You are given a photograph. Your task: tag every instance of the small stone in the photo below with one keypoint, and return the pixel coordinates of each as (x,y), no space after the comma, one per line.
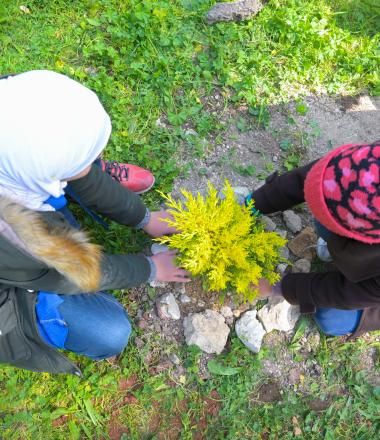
(278,314)
(160,123)
(269,224)
(275,158)
(233,11)
(185,299)
(281,268)
(157,248)
(201,303)
(167,307)
(156,284)
(236,313)
(303,245)
(174,359)
(284,253)
(250,331)
(241,192)
(206,330)
(226,312)
(292,221)
(301,266)
(191,132)
(181,289)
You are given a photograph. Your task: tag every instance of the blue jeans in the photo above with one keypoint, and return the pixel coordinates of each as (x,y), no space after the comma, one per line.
(335,322)
(93,324)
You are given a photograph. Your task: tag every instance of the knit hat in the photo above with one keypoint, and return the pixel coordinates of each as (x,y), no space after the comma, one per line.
(342,191)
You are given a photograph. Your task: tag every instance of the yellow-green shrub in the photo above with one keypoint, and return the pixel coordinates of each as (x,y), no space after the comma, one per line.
(222,242)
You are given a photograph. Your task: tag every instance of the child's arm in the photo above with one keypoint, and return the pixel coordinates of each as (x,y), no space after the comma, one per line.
(281,192)
(330,289)
(99,192)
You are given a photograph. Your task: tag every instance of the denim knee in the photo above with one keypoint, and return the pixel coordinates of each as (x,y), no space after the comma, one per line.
(117,336)
(336,322)
(98,325)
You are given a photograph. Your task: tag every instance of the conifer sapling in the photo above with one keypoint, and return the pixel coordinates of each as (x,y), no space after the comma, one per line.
(222,242)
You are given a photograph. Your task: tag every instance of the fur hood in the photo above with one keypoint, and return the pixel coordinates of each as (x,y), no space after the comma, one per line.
(62,247)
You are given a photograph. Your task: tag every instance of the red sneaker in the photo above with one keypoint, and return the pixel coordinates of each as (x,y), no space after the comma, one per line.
(134,178)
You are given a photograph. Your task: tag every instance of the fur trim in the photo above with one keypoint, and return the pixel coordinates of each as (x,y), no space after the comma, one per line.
(63,248)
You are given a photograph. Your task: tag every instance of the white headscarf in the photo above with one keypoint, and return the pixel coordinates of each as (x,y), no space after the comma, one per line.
(51,129)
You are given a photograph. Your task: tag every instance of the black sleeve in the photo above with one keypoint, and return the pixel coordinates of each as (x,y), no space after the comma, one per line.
(281,192)
(330,289)
(118,272)
(99,192)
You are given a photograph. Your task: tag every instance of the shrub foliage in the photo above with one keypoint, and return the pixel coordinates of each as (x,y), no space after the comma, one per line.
(221,241)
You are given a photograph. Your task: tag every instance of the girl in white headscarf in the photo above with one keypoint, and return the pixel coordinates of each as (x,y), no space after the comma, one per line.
(52,130)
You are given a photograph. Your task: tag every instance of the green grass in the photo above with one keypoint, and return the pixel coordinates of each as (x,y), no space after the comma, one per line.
(158,59)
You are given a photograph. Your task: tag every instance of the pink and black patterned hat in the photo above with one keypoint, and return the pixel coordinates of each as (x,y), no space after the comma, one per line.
(343,191)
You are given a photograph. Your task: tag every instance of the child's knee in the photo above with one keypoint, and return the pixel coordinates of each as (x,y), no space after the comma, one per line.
(334,322)
(118,335)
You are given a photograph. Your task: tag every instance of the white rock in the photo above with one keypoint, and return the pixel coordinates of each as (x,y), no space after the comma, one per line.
(278,314)
(269,224)
(207,330)
(157,248)
(292,221)
(226,312)
(301,266)
(250,331)
(185,299)
(156,283)
(190,132)
(167,307)
(236,313)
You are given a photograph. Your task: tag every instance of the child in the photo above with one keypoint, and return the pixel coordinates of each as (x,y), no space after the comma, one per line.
(343,193)
(52,130)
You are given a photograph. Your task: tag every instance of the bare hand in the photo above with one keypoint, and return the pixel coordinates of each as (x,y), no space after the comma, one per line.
(167,269)
(266,290)
(156,227)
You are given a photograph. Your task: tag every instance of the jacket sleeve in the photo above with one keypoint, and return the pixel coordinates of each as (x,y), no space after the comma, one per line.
(281,192)
(118,272)
(99,192)
(330,289)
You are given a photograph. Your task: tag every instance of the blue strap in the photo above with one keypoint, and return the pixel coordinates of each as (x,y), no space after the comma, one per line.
(70,192)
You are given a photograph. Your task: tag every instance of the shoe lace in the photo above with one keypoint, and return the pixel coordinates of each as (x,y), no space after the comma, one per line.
(116,170)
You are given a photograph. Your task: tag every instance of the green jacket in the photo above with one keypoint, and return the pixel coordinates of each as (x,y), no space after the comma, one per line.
(48,254)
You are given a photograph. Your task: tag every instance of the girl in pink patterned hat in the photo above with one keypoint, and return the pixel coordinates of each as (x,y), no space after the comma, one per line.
(343,193)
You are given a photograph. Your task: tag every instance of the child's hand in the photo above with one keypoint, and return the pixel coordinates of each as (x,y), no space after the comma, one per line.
(156,227)
(266,290)
(167,269)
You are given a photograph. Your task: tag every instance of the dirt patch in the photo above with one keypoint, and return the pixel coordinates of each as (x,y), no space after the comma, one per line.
(247,152)
(116,429)
(129,383)
(319,404)
(267,393)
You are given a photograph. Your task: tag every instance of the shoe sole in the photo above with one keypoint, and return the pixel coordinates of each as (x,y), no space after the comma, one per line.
(146,189)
